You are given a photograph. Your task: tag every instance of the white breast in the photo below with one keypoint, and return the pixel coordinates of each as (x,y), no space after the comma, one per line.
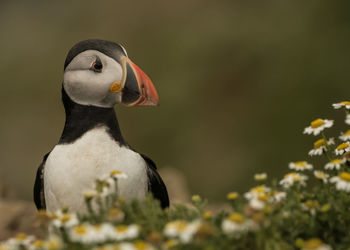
(72,169)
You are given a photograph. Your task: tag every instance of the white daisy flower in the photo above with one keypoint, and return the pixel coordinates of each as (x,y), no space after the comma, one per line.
(345,136)
(255,192)
(320,146)
(342,148)
(90,194)
(5,246)
(317,126)
(91,234)
(235,223)
(335,164)
(65,220)
(300,165)
(20,241)
(182,229)
(291,178)
(347,119)
(138,245)
(278,196)
(259,196)
(105,186)
(311,206)
(36,245)
(116,174)
(125,232)
(258,203)
(173,228)
(99,233)
(115,215)
(339,105)
(81,233)
(342,181)
(260,177)
(53,243)
(187,235)
(315,244)
(321,176)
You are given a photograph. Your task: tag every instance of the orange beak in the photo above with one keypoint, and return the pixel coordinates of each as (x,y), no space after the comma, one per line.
(138,89)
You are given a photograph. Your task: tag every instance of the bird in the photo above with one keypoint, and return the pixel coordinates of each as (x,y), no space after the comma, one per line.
(98,74)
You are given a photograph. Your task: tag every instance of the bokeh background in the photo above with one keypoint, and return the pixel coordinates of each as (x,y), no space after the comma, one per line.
(238,82)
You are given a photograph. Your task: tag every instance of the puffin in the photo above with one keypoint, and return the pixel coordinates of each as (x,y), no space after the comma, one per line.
(98,74)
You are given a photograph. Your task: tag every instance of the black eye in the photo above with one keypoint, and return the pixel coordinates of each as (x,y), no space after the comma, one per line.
(97,65)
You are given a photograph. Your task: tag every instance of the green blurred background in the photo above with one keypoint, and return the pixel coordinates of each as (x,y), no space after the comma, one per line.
(238,82)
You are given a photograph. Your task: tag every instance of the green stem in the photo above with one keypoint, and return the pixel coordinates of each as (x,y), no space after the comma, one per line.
(89,207)
(328,149)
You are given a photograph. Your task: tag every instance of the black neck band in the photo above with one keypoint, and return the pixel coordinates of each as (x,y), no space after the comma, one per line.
(82,118)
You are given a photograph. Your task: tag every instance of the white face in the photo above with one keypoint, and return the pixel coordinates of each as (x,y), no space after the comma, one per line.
(87,86)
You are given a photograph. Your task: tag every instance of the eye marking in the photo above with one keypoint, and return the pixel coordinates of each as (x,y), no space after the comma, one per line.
(97,65)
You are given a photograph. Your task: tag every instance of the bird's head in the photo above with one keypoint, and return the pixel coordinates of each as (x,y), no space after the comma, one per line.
(100,73)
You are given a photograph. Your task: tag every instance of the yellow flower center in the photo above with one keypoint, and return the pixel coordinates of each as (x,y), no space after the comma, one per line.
(53,244)
(320,175)
(196,198)
(80,230)
(343,146)
(121,228)
(21,236)
(292,174)
(345,176)
(258,189)
(207,215)
(317,123)
(295,176)
(89,194)
(140,245)
(309,204)
(65,218)
(347,132)
(236,217)
(345,103)
(115,172)
(170,243)
(260,177)
(319,143)
(38,243)
(98,227)
(313,243)
(262,197)
(181,226)
(302,164)
(336,161)
(232,196)
(325,207)
(267,209)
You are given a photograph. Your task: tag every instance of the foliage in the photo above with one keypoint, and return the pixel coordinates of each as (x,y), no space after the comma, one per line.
(307,209)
